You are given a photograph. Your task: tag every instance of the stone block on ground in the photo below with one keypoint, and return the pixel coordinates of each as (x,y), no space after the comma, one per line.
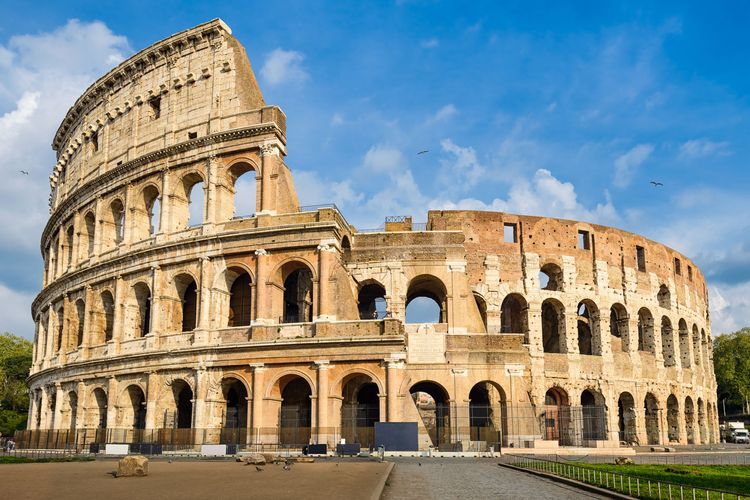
(304,460)
(254,459)
(132,466)
(623,461)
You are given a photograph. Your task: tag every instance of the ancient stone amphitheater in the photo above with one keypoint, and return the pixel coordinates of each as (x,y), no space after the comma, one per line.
(189,299)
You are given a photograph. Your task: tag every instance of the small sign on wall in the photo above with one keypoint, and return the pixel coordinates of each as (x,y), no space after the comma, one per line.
(426,345)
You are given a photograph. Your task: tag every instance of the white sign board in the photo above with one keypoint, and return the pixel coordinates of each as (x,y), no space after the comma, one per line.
(116,449)
(426,345)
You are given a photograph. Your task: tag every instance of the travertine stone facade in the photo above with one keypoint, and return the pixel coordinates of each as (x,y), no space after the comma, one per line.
(164,305)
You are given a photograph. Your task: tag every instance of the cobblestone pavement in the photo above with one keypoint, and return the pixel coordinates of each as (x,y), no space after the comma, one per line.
(468,478)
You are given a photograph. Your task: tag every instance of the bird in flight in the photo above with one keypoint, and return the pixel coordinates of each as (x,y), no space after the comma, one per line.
(657,184)
(24,172)
(423,151)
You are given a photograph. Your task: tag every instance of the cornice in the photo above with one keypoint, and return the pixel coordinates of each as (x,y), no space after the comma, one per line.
(112,175)
(137,65)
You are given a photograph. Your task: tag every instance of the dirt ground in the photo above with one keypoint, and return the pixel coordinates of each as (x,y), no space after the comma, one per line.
(192,479)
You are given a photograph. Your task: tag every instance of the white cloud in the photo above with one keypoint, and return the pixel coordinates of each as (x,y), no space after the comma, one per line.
(626,164)
(430,43)
(730,307)
(312,190)
(463,170)
(444,113)
(16,312)
(337,120)
(700,148)
(284,66)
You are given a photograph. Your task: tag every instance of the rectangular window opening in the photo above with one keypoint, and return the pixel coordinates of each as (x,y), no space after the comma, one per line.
(95,141)
(510,233)
(690,273)
(192,135)
(677,267)
(640,258)
(584,240)
(155,103)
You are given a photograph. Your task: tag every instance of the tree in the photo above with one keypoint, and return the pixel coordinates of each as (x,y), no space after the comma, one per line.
(732,368)
(15,362)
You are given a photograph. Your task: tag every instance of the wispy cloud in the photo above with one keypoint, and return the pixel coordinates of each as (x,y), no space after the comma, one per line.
(627,163)
(444,113)
(283,67)
(701,148)
(430,43)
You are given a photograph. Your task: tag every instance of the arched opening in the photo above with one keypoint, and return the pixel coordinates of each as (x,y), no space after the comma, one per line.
(645,331)
(346,247)
(90,228)
(690,420)
(80,321)
(371,301)
(426,300)
(134,416)
(651,409)
(433,406)
(183,401)
(514,315)
(594,414)
(487,419)
(664,297)
(189,300)
(704,347)
(296,412)
(118,221)
(194,189)
(152,205)
(702,421)
(673,419)
(626,418)
(618,327)
(60,327)
(553,326)
(667,342)
(73,409)
(697,346)
(360,409)
(100,408)
(482,308)
(589,340)
(240,303)
(141,310)
(245,188)
(108,311)
(551,278)
(685,359)
(69,246)
(557,421)
(298,294)
(235,411)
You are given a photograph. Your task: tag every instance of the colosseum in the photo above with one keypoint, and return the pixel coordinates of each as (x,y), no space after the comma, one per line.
(189,299)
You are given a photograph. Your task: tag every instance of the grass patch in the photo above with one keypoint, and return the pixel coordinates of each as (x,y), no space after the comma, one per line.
(26,460)
(734,478)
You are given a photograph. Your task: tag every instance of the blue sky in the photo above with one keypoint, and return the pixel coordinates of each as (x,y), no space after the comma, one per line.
(525,107)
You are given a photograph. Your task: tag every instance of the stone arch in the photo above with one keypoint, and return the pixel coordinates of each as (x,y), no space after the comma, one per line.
(667,342)
(239,284)
(371,301)
(673,419)
(71,409)
(189,202)
(702,421)
(646,331)
(553,326)
(664,297)
(360,397)
(514,315)
(432,402)
(114,224)
(594,414)
(177,404)
(147,212)
(139,310)
(426,288)
(79,324)
(295,412)
(69,234)
(89,230)
(684,335)
(690,420)
(626,418)
(105,317)
(487,417)
(245,185)
(297,279)
(60,330)
(705,347)
(234,392)
(346,247)
(551,277)
(184,314)
(618,326)
(697,346)
(556,416)
(482,308)
(96,412)
(133,407)
(651,411)
(589,328)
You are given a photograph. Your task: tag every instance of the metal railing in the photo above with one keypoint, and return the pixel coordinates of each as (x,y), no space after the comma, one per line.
(627,484)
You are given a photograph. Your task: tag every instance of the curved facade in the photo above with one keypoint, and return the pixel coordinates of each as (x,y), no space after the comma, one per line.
(186,289)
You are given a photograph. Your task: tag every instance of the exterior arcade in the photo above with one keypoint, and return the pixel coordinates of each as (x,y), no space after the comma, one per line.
(188,298)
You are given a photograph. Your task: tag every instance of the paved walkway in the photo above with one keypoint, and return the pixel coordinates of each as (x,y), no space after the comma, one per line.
(461,478)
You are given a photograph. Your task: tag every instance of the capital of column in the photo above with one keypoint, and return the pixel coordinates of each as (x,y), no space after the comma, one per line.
(261,251)
(326,247)
(322,364)
(514,370)
(257,367)
(269,149)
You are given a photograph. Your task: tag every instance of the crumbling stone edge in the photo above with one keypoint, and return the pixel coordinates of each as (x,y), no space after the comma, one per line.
(378,492)
(570,482)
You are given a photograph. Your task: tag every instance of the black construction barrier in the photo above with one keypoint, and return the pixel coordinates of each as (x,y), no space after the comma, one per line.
(348,449)
(397,436)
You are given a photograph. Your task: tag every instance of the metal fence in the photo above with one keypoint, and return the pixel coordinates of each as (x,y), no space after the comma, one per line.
(630,485)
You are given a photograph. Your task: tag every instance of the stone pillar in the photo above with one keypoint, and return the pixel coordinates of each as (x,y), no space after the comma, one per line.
(257,403)
(65,333)
(205,294)
(44,409)
(211,198)
(112,402)
(59,400)
(393,373)
(51,331)
(269,154)
(324,432)
(165,209)
(199,398)
(81,408)
(98,227)
(88,318)
(75,253)
(155,325)
(262,299)
(151,399)
(118,320)
(326,252)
